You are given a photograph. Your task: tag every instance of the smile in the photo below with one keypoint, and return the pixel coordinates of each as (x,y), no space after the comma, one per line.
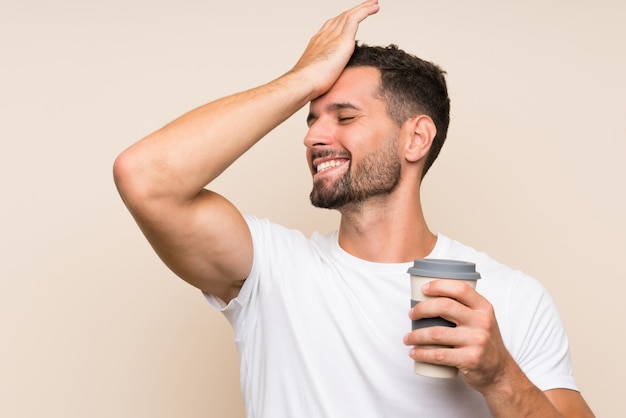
(329,164)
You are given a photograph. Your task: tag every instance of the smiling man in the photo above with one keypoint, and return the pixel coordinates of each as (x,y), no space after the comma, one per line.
(338,179)
(320,322)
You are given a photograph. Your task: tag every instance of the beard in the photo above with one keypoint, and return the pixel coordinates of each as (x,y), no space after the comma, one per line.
(377,174)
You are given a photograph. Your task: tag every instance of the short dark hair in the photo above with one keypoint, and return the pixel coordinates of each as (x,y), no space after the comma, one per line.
(410,86)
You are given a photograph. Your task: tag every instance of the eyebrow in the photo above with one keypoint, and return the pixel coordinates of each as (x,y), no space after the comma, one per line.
(332,107)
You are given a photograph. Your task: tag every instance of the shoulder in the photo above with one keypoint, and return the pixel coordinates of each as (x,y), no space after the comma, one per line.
(498,281)
(485,264)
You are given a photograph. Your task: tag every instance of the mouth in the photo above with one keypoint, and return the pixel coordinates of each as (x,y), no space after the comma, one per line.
(328,164)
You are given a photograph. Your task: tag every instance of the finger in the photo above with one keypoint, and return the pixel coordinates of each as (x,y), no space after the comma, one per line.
(437,335)
(447,336)
(445,347)
(447,308)
(476,357)
(434,345)
(352,17)
(455,289)
(448,356)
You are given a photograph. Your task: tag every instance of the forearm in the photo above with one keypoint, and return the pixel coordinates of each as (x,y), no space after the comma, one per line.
(520,399)
(523,399)
(512,395)
(178,160)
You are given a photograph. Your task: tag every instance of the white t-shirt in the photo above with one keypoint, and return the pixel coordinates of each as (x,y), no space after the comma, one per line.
(319,332)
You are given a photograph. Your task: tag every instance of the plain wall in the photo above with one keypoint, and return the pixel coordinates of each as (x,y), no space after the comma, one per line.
(93,325)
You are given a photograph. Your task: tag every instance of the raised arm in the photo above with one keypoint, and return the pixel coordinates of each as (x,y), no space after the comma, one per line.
(199,234)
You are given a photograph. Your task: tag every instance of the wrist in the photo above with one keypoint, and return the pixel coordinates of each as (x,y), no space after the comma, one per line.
(303,84)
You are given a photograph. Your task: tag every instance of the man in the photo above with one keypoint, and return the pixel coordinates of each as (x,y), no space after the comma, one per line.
(320,323)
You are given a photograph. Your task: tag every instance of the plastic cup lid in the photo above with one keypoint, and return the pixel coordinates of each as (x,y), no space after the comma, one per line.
(444,269)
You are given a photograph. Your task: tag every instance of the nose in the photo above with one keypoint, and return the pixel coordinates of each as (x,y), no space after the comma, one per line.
(318,135)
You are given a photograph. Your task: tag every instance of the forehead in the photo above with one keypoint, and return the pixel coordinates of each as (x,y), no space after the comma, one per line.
(355,85)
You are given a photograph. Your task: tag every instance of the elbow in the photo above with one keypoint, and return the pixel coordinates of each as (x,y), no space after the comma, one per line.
(122,172)
(127,175)
(141,182)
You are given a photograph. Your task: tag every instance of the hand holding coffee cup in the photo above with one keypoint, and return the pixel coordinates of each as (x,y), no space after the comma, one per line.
(422,272)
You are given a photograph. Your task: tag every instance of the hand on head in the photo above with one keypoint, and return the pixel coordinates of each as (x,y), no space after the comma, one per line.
(330,48)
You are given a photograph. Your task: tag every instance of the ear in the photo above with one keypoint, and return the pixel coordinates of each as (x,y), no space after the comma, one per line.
(422,131)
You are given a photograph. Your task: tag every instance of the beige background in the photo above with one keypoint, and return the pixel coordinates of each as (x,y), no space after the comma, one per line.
(92,324)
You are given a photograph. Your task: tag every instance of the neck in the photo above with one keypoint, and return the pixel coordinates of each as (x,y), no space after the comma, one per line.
(386,229)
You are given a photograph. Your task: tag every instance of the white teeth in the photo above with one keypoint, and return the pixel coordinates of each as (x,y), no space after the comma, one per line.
(328,164)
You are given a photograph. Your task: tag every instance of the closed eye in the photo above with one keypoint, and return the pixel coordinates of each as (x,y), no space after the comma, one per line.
(346,119)
(336,108)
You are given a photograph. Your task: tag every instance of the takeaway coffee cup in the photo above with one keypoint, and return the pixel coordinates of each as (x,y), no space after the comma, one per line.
(423,271)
